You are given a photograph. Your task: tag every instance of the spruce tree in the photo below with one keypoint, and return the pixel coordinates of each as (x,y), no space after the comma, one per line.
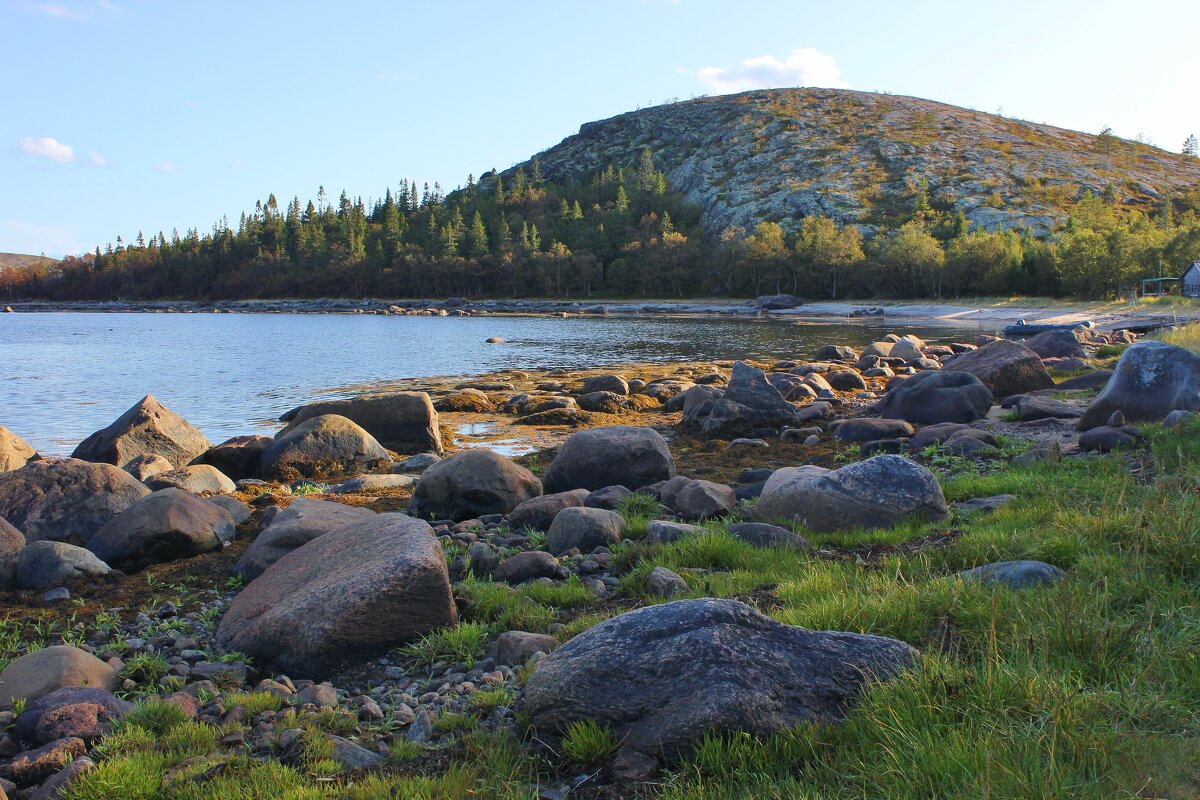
(1191,147)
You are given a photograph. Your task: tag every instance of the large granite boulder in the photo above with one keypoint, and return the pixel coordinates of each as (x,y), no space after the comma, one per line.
(750,403)
(168,525)
(933,397)
(876,493)
(1056,344)
(472,483)
(664,676)
(44,565)
(584,529)
(1005,367)
(343,598)
(907,348)
(405,421)
(12,542)
(15,452)
(65,499)
(237,458)
(201,479)
(321,447)
(618,455)
(537,513)
(698,499)
(295,526)
(148,427)
(1151,380)
(41,672)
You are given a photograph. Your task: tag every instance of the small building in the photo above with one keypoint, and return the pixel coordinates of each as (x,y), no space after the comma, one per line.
(1189,283)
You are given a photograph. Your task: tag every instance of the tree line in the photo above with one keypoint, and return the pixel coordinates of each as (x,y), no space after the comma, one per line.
(618,233)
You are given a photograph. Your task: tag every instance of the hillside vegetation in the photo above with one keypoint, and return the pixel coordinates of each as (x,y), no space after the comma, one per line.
(821,193)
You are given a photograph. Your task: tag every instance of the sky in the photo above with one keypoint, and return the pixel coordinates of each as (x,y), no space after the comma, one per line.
(125,115)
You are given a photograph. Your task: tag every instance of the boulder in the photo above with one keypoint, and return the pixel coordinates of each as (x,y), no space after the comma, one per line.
(621,455)
(777,302)
(935,397)
(866,429)
(147,465)
(615,384)
(416,464)
(239,457)
(603,402)
(473,483)
(907,348)
(749,403)
(935,434)
(1004,367)
(845,381)
(465,400)
(44,565)
(168,525)
(704,499)
(1015,574)
(663,677)
(876,493)
(12,542)
(526,566)
(72,711)
(537,513)
(236,508)
(1151,380)
(661,531)
(201,479)
(321,447)
(41,672)
(1107,438)
(34,766)
(662,582)
(1056,344)
(760,534)
(365,484)
(1092,380)
(298,524)
(344,597)
(1031,406)
(835,352)
(65,499)
(15,452)
(584,529)
(514,648)
(148,427)
(406,421)
(882,349)
(609,497)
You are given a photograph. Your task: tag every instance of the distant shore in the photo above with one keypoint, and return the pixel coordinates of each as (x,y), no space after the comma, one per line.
(1105,316)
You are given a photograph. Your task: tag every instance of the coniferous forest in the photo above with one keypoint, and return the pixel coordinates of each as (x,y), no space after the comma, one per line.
(621,233)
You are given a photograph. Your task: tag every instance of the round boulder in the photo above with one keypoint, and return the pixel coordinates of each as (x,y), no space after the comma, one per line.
(41,672)
(704,499)
(12,542)
(321,447)
(73,711)
(65,499)
(584,529)
(1151,380)
(168,525)
(148,427)
(537,513)
(876,493)
(343,598)
(43,565)
(1005,368)
(471,484)
(15,452)
(618,455)
(664,676)
(934,397)
(198,479)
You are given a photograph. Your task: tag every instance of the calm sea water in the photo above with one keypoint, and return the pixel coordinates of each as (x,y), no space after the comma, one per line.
(65,375)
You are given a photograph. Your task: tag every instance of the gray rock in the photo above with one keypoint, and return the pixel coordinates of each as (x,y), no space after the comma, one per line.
(322,447)
(993,503)
(538,513)
(866,429)
(416,464)
(1177,418)
(405,421)
(1005,367)
(609,497)
(514,648)
(12,542)
(147,465)
(585,529)
(374,483)
(835,352)
(749,403)
(298,524)
(661,531)
(318,609)
(43,565)
(43,671)
(239,511)
(664,676)
(704,499)
(1033,407)
(616,455)
(760,534)
(1056,344)
(1151,380)
(71,711)
(482,559)
(65,499)
(237,458)
(471,484)
(147,428)
(845,380)
(200,479)
(1107,438)
(60,594)
(1015,574)
(526,566)
(937,397)
(614,384)
(876,493)
(662,582)
(168,525)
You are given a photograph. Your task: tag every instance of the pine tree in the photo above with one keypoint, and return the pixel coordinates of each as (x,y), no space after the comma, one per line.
(1191,147)
(503,231)
(477,241)
(576,211)
(536,180)
(622,204)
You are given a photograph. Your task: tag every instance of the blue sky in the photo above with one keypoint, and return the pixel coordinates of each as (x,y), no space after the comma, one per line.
(120,115)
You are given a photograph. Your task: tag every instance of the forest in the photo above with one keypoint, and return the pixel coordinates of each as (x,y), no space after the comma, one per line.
(619,234)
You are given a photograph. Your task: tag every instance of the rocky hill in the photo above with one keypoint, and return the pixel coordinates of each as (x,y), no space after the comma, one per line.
(858,157)
(20,260)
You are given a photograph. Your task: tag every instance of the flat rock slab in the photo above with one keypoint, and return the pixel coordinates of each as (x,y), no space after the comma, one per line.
(1015,574)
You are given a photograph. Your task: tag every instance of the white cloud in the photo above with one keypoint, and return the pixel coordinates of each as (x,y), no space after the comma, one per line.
(46,147)
(113,8)
(167,167)
(804,66)
(62,12)
(97,160)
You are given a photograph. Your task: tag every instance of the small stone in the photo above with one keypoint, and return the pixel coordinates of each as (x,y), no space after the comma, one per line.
(58,595)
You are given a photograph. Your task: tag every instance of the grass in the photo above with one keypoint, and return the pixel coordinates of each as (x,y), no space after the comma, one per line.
(464,642)
(1186,336)
(145,669)
(588,742)
(255,702)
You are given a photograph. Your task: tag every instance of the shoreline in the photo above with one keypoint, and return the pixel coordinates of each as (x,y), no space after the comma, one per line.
(1104,316)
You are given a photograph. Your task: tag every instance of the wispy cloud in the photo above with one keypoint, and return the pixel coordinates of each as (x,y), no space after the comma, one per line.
(97,160)
(62,12)
(113,8)
(804,66)
(166,167)
(47,148)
